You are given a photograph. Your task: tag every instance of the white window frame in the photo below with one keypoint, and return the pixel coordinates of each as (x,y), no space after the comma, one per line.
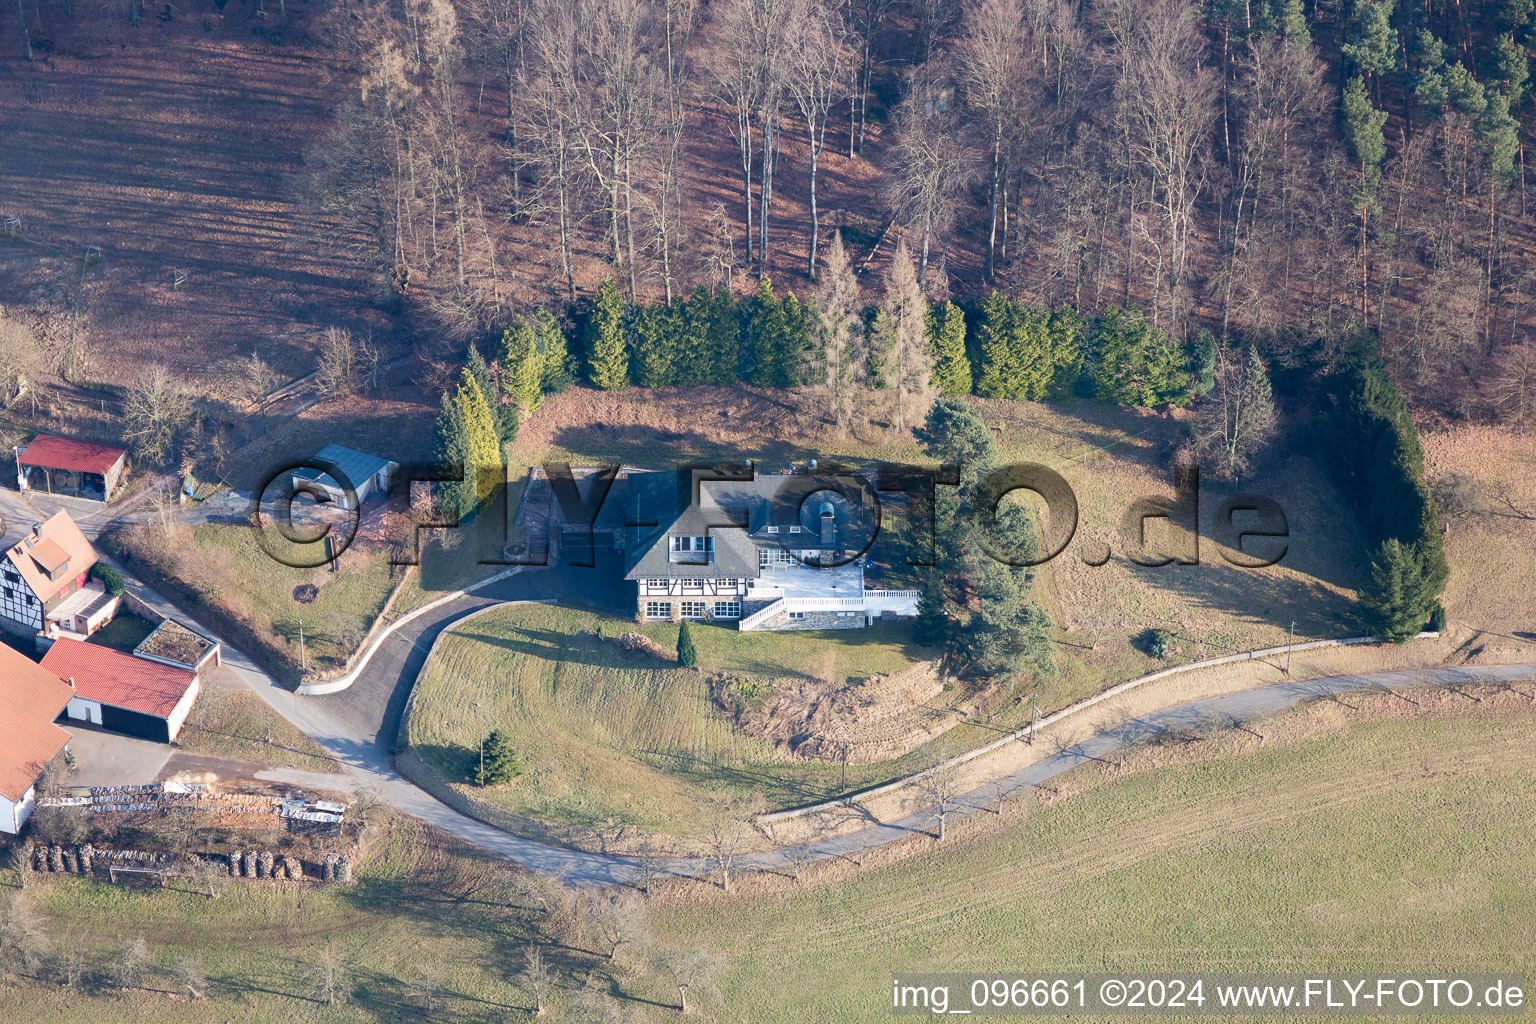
(698,607)
(658,611)
(726,610)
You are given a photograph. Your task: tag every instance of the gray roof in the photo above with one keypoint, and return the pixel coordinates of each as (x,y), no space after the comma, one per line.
(736,514)
(358,467)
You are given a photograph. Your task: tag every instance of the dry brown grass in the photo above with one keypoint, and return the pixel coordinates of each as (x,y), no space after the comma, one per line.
(1493,558)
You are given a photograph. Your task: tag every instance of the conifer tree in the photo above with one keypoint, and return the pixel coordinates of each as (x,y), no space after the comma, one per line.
(521,366)
(910,365)
(655,346)
(484,456)
(879,341)
(723,334)
(1399,597)
(946,341)
(555,364)
(1134,363)
(1000,374)
(768,340)
(838,328)
(1066,334)
(607,347)
(489,377)
(796,339)
(465,435)
(1032,352)
(931,627)
(687,653)
(457,497)
(497,762)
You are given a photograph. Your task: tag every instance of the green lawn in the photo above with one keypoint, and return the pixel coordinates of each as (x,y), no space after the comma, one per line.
(608,736)
(255,942)
(226,568)
(1396,846)
(123,633)
(1388,846)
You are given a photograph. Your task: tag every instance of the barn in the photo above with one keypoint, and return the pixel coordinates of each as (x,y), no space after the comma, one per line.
(123,693)
(32,698)
(64,465)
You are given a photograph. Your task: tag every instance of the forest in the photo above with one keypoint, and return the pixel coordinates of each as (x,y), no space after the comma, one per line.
(1274,172)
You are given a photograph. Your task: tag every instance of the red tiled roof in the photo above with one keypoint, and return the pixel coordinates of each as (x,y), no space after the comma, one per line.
(31,697)
(53,452)
(58,536)
(121,680)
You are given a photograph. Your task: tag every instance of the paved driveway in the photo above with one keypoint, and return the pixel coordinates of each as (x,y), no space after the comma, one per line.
(107,759)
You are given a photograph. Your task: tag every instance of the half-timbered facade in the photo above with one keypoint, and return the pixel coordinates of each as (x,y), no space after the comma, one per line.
(742,552)
(45,585)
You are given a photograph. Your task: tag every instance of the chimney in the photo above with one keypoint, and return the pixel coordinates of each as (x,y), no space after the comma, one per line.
(828,526)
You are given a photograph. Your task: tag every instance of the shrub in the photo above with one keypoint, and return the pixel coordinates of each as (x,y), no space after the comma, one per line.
(1156,642)
(109,577)
(496,761)
(1437,621)
(687,653)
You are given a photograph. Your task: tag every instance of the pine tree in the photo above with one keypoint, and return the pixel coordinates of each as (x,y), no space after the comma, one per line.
(607,348)
(911,367)
(1399,597)
(1293,25)
(687,653)
(723,334)
(656,333)
(521,366)
(484,457)
(838,328)
(879,341)
(768,340)
(931,627)
(1372,47)
(556,370)
(1066,332)
(497,761)
(946,343)
(1000,374)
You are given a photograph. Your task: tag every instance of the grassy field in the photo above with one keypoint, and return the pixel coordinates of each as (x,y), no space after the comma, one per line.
(1390,846)
(224,567)
(612,737)
(1492,549)
(256,943)
(238,724)
(1109,455)
(1399,842)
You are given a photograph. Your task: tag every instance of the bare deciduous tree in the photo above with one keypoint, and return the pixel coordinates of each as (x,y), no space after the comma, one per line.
(816,77)
(156,408)
(690,970)
(911,367)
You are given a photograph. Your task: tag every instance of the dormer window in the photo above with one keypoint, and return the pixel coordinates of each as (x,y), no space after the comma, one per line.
(691,549)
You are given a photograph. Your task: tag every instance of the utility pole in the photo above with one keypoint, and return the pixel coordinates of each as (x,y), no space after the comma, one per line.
(303,661)
(1290,641)
(1034,716)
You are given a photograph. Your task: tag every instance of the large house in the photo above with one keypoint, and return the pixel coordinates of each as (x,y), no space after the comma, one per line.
(44,583)
(767,553)
(32,697)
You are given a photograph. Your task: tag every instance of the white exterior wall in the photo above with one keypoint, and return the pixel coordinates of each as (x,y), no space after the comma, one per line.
(178,714)
(17,602)
(82,710)
(14,815)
